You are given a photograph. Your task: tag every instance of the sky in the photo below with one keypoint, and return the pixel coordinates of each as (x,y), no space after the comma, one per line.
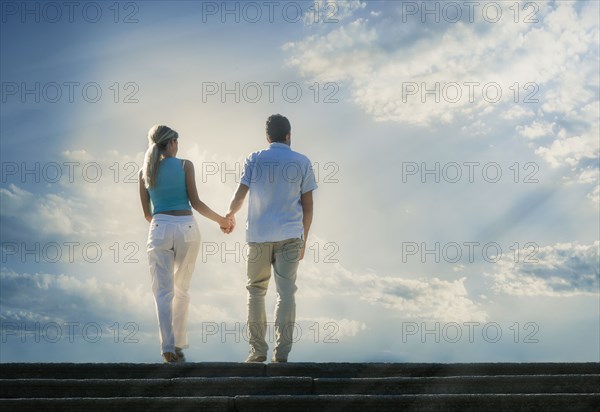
(455,145)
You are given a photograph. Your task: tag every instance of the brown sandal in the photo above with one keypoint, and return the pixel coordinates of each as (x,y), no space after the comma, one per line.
(170,357)
(179,353)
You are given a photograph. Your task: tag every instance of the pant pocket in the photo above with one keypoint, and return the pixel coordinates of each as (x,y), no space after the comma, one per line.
(157,231)
(190,232)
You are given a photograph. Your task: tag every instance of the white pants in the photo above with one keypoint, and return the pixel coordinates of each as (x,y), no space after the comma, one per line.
(173,245)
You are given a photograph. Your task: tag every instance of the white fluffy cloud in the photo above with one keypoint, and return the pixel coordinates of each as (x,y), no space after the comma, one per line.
(564,269)
(547,72)
(426,298)
(571,149)
(40,297)
(48,214)
(383,65)
(535,130)
(331,11)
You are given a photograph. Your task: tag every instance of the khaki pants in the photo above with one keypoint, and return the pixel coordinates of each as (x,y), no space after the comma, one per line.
(284,256)
(173,245)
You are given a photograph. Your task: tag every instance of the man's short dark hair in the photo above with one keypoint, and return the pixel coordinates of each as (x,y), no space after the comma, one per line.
(278,127)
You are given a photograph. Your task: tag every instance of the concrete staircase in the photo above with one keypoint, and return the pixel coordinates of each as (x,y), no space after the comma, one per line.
(301,387)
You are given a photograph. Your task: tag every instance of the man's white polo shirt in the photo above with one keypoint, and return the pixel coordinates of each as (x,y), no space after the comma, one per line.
(277,177)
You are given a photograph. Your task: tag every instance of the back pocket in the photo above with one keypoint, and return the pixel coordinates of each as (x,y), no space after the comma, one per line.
(157,231)
(190,232)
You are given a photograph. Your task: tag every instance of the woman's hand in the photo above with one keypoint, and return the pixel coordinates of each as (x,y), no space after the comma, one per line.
(229,226)
(226,223)
(231,217)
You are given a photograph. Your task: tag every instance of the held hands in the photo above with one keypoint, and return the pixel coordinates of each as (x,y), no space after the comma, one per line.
(227,223)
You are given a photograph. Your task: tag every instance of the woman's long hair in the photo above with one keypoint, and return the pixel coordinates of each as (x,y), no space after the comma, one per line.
(158,137)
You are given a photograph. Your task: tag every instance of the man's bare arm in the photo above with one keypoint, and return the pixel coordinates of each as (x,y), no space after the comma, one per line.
(237,201)
(306,199)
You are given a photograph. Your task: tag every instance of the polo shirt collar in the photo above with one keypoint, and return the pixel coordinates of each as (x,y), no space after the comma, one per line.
(277,145)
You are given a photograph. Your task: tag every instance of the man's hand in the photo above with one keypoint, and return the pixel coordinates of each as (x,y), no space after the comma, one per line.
(235,205)
(231,220)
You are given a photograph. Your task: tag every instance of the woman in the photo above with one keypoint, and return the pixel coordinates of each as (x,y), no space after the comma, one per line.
(173,240)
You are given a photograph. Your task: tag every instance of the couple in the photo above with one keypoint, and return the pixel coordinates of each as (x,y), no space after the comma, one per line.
(280,209)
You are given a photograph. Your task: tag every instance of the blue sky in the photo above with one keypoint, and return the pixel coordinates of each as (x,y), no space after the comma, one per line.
(456,149)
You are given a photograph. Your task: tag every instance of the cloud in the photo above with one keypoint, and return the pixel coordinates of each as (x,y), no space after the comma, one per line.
(572,149)
(422,73)
(516,112)
(61,298)
(535,130)
(334,327)
(589,175)
(594,195)
(432,299)
(78,155)
(45,214)
(560,270)
(331,11)
(45,297)
(380,70)
(362,53)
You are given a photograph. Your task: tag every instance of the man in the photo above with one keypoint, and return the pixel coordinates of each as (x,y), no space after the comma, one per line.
(280,211)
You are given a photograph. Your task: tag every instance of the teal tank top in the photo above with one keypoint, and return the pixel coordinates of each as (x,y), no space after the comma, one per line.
(169,191)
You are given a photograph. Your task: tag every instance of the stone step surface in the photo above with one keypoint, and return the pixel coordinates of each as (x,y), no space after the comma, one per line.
(302,403)
(301,387)
(314,370)
(184,387)
(232,386)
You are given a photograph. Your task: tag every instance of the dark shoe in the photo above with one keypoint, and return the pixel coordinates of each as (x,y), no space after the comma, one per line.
(255,358)
(179,353)
(170,357)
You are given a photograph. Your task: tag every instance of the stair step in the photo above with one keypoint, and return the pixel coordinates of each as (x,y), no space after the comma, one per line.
(501,384)
(314,370)
(133,404)
(227,386)
(420,403)
(177,387)
(301,403)
(232,386)
(382,370)
(129,370)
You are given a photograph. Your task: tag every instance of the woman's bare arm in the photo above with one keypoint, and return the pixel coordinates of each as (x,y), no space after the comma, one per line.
(145,198)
